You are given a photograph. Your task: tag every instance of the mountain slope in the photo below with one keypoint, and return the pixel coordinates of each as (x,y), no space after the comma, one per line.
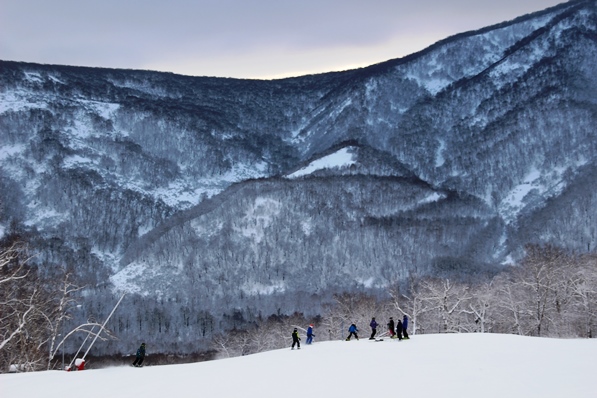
(228,194)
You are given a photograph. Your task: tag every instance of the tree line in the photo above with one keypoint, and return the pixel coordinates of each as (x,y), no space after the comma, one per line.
(550,293)
(35,312)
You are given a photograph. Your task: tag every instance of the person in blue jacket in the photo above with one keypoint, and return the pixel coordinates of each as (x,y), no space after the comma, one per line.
(373,325)
(404,326)
(353,331)
(310,334)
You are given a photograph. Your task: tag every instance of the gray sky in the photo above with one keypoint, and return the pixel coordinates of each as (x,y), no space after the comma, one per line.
(236,38)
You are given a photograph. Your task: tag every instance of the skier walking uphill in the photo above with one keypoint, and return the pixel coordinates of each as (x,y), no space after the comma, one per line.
(140,356)
(373,325)
(404,326)
(399,329)
(310,334)
(296,339)
(352,330)
(391,328)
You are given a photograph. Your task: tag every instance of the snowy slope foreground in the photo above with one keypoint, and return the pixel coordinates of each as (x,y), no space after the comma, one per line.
(461,365)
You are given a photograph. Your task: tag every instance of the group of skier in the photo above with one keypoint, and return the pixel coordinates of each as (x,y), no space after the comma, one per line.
(399,331)
(296,340)
(396,330)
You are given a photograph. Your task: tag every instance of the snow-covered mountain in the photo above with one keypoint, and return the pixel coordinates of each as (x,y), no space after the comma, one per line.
(454,365)
(228,196)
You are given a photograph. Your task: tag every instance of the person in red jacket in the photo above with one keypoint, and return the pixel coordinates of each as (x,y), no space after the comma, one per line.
(391,328)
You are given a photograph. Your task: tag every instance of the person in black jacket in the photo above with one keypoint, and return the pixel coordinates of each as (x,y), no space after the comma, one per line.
(399,329)
(140,356)
(391,328)
(296,339)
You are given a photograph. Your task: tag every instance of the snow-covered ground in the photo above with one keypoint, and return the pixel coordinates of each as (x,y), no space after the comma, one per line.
(454,365)
(341,158)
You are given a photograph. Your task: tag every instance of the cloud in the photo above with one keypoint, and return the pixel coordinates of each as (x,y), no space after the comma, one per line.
(262,38)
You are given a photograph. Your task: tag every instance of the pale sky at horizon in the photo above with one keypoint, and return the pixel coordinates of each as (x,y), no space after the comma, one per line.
(260,39)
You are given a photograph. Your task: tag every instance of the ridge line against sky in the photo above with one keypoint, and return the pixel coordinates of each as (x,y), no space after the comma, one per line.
(263,39)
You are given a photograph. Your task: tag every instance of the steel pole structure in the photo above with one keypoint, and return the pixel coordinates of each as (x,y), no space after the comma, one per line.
(102,328)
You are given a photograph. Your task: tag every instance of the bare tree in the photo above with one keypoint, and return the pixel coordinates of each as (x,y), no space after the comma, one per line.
(538,278)
(22,303)
(480,305)
(56,319)
(448,300)
(411,304)
(33,313)
(584,290)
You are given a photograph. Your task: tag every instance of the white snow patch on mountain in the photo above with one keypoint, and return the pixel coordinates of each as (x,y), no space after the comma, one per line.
(123,280)
(107,258)
(76,161)
(56,80)
(8,151)
(42,217)
(16,101)
(367,283)
(341,158)
(347,102)
(33,77)
(184,194)
(434,197)
(307,227)
(103,109)
(535,185)
(241,172)
(433,365)
(439,154)
(258,218)
(430,71)
(254,289)
(433,84)
(137,274)
(514,201)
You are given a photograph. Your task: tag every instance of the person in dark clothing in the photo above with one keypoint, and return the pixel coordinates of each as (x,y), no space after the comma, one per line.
(373,325)
(399,329)
(296,340)
(352,331)
(310,334)
(140,356)
(404,326)
(391,328)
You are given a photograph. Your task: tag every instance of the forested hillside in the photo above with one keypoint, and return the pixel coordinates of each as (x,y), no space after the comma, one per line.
(217,202)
